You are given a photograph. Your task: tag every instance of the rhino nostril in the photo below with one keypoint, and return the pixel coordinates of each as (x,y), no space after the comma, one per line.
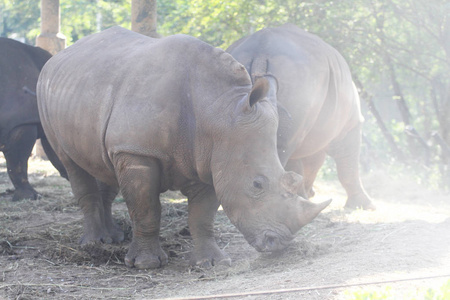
(271,241)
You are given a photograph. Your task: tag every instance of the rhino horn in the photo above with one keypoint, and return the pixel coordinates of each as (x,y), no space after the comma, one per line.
(310,210)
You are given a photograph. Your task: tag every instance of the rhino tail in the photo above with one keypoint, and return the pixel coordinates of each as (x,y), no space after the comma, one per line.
(28,91)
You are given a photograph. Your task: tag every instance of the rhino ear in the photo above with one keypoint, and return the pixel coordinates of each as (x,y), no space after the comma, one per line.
(259,91)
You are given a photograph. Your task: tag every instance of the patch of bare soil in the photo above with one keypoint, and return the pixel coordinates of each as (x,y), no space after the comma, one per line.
(408,236)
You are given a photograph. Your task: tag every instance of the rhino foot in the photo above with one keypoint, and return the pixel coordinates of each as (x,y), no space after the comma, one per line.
(209,263)
(145,259)
(116,233)
(95,230)
(210,257)
(26,193)
(91,237)
(360,201)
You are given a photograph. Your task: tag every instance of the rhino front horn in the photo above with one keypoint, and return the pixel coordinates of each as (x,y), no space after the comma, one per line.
(310,210)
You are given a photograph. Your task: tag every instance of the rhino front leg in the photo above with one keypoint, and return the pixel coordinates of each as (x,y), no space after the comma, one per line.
(308,168)
(311,166)
(346,154)
(18,150)
(139,180)
(202,206)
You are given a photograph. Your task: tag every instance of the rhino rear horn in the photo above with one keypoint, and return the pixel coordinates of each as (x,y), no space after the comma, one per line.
(292,182)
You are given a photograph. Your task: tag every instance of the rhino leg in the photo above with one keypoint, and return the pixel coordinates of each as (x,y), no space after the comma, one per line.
(108,194)
(311,166)
(346,154)
(139,180)
(203,205)
(308,167)
(86,191)
(19,147)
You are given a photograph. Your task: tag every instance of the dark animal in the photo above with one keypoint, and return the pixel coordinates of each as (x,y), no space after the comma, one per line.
(20,65)
(318,104)
(147,115)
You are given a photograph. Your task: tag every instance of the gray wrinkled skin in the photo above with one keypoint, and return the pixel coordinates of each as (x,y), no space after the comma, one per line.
(318,105)
(126,111)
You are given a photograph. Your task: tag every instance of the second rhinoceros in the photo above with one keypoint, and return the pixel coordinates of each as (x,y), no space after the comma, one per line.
(147,115)
(20,126)
(318,104)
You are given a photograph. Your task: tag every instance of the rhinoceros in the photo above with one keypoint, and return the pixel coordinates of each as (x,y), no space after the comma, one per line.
(20,65)
(123,110)
(317,102)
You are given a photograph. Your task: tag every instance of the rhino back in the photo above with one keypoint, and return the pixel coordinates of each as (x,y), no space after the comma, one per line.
(315,85)
(125,92)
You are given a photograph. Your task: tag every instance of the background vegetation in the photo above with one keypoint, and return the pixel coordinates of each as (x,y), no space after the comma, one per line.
(398,50)
(388,293)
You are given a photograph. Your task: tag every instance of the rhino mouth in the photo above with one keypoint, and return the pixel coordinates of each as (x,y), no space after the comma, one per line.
(270,241)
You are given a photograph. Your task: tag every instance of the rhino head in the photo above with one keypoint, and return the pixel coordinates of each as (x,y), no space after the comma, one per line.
(257,194)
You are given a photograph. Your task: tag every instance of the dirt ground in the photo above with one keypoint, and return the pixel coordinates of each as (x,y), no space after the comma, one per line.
(407,237)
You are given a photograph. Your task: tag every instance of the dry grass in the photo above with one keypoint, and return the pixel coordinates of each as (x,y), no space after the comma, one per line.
(40,257)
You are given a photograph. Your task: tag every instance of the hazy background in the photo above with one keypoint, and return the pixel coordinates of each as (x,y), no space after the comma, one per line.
(398,51)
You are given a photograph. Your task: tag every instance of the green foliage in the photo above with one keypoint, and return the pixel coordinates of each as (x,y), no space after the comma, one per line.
(78,18)
(17,18)
(119,200)
(220,23)
(388,293)
(442,294)
(371,294)
(81,18)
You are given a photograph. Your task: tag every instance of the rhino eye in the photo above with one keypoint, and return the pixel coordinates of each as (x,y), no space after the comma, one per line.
(259,182)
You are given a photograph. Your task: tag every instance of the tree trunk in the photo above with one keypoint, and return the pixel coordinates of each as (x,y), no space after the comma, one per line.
(387,135)
(411,134)
(143,17)
(52,40)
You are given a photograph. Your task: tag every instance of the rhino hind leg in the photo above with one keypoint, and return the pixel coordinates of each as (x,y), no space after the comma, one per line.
(202,206)
(345,152)
(108,194)
(18,150)
(86,191)
(139,180)
(51,155)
